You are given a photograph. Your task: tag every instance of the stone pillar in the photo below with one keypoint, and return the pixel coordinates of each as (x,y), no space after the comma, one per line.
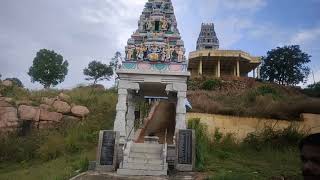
(181,110)
(238,68)
(200,67)
(181,90)
(130,116)
(219,69)
(119,123)
(258,72)
(254,73)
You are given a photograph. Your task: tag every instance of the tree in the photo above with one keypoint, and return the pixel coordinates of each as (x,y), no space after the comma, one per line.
(98,71)
(116,61)
(285,65)
(15,81)
(116,64)
(49,68)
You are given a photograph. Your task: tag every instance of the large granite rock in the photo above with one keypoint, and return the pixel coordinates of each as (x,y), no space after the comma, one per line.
(80,111)
(50,116)
(7,83)
(27,112)
(61,107)
(8,117)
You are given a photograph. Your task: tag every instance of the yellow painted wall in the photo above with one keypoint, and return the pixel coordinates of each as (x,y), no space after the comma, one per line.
(242,126)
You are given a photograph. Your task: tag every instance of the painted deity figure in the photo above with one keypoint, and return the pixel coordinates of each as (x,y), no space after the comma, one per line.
(165,25)
(174,54)
(129,54)
(134,53)
(139,56)
(149,25)
(180,54)
(168,54)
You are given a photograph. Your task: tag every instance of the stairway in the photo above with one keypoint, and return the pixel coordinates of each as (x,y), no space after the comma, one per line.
(143,159)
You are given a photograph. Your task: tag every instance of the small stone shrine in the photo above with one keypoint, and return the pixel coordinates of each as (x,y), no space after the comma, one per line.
(152,90)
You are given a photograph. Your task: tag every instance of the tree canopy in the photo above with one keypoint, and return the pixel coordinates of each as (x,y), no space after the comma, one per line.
(49,68)
(285,65)
(98,71)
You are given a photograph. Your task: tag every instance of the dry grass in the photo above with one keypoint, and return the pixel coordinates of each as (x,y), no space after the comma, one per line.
(253,99)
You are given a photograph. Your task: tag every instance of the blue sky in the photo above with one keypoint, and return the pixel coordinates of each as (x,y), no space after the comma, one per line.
(84,30)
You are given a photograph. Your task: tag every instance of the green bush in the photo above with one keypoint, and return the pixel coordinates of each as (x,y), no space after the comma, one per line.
(52,148)
(211,84)
(202,142)
(217,135)
(279,139)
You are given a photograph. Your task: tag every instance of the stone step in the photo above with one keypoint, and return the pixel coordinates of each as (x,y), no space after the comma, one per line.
(151,150)
(145,155)
(135,172)
(146,145)
(143,160)
(145,166)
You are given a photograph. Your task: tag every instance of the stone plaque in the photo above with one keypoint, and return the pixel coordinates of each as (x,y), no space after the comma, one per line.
(107,150)
(185,159)
(185,147)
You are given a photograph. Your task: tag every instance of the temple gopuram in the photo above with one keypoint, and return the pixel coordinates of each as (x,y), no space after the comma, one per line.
(209,60)
(157,40)
(150,134)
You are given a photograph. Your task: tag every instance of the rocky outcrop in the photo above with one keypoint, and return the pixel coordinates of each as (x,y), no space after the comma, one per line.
(49,114)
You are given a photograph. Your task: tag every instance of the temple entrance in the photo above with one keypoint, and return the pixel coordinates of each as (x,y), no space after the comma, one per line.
(160,122)
(155,113)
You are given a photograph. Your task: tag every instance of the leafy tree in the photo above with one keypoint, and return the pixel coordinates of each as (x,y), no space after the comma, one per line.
(15,81)
(49,68)
(285,65)
(98,71)
(116,61)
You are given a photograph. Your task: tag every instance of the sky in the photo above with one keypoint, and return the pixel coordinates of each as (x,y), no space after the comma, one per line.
(86,30)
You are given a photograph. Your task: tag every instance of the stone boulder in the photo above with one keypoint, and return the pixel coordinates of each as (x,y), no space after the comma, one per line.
(8,117)
(61,107)
(80,111)
(48,101)
(7,83)
(64,97)
(3,103)
(50,116)
(28,113)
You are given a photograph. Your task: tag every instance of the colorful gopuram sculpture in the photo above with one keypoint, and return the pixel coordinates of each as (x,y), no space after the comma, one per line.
(157,39)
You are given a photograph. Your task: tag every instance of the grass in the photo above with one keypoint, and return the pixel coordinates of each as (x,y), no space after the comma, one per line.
(61,168)
(225,159)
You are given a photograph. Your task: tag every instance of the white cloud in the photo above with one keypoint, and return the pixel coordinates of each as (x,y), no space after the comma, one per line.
(306,37)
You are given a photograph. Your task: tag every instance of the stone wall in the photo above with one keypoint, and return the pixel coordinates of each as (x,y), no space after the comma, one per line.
(15,116)
(242,126)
